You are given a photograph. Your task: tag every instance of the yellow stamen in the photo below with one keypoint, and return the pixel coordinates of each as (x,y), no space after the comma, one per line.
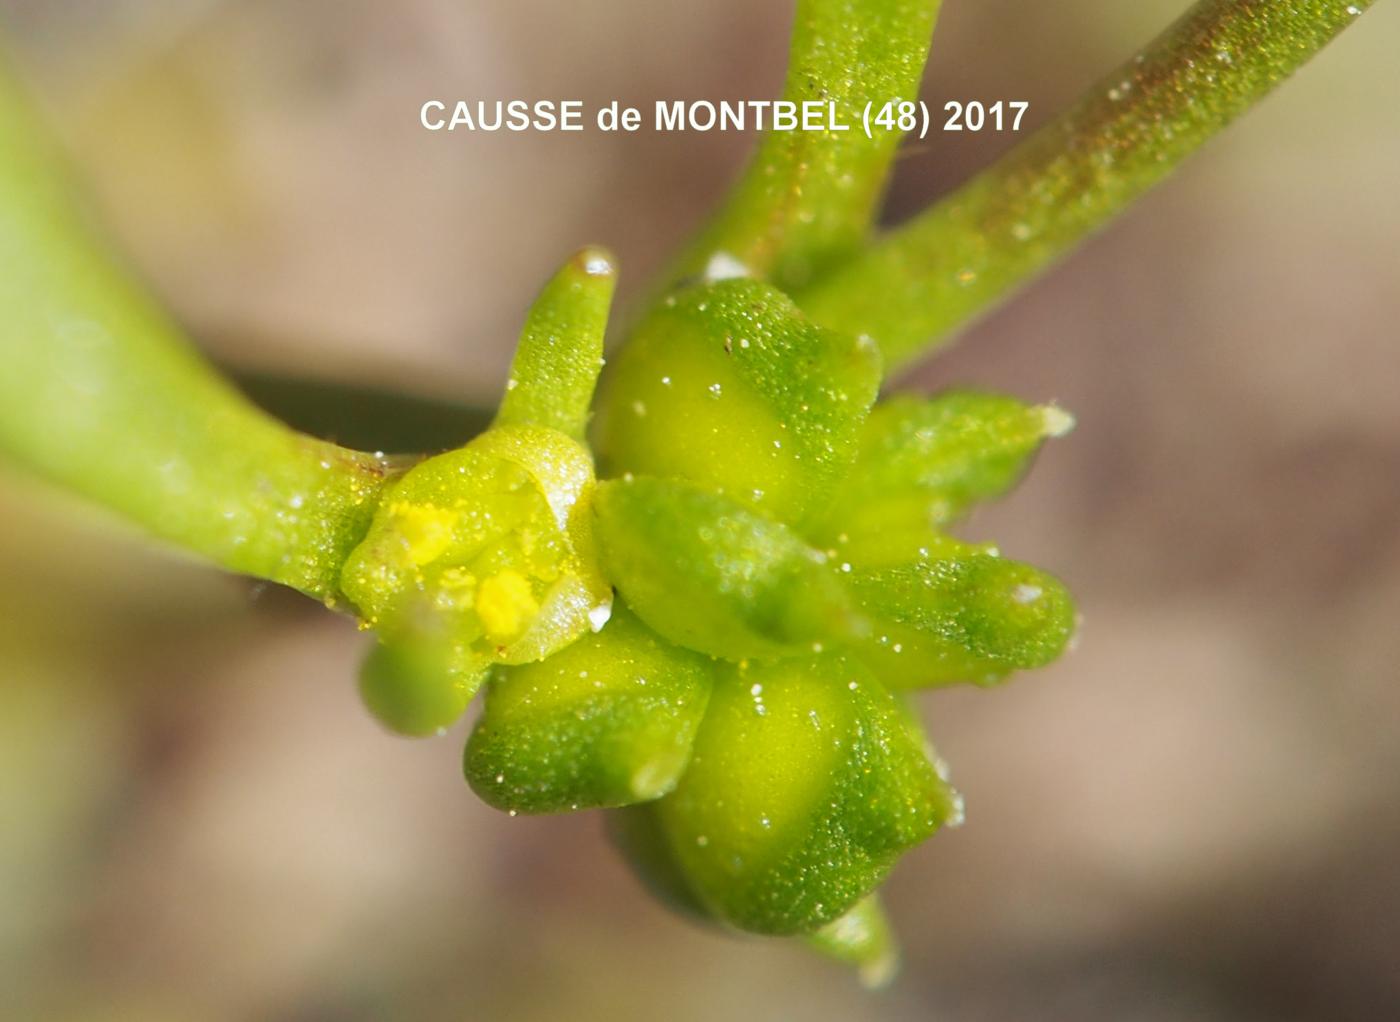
(426,530)
(506,606)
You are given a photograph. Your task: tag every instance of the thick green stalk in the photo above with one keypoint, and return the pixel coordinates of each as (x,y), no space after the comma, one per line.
(807,197)
(930,277)
(101,393)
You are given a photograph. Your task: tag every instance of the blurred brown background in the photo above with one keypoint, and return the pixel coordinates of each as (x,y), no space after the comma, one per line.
(1194,816)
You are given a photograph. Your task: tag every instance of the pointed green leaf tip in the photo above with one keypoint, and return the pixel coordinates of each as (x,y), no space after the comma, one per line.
(863,938)
(729,386)
(806,782)
(924,462)
(961,615)
(713,576)
(608,721)
(560,354)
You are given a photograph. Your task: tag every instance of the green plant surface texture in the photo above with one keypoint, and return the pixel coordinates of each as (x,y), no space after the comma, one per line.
(485,555)
(806,781)
(923,463)
(609,721)
(710,575)
(482,555)
(973,617)
(102,394)
(418,686)
(863,938)
(561,349)
(770,405)
(807,198)
(913,289)
(709,633)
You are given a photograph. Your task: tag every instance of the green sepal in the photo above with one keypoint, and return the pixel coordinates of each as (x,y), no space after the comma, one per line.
(713,576)
(807,781)
(560,354)
(862,938)
(608,721)
(415,687)
(923,462)
(729,386)
(957,617)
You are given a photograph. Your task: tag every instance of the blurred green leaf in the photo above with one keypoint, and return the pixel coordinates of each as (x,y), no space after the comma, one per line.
(416,686)
(100,392)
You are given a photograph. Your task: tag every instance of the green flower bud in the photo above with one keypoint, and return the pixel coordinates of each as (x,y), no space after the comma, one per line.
(923,463)
(966,616)
(807,780)
(712,576)
(729,386)
(608,721)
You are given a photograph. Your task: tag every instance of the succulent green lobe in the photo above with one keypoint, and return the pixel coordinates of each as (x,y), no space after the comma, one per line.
(769,405)
(607,721)
(806,781)
(709,574)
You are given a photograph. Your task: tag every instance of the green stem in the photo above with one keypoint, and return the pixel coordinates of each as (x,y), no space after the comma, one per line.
(100,392)
(807,197)
(930,277)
